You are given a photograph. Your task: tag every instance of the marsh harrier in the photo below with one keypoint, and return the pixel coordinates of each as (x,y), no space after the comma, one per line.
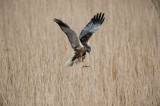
(80,44)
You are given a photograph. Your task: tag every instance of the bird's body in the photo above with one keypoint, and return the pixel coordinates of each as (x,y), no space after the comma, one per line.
(79,53)
(80,44)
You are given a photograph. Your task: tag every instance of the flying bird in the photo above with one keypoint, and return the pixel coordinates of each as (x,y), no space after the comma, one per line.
(80,44)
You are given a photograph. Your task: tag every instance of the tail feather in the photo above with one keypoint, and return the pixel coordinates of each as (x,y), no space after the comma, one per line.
(76,61)
(69,63)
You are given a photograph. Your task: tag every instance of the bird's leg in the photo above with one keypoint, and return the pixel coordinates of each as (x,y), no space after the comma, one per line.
(84,62)
(83,58)
(79,59)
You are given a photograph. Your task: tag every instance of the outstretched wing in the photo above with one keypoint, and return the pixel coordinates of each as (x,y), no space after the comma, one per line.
(91,28)
(73,38)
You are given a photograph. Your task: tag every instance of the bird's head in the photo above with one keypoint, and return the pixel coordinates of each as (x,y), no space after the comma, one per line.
(88,49)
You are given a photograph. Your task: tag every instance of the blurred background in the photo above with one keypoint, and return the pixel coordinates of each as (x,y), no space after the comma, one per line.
(124,62)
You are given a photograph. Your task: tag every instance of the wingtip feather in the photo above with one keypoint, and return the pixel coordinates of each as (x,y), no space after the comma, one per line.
(60,23)
(98,18)
(54,19)
(100,15)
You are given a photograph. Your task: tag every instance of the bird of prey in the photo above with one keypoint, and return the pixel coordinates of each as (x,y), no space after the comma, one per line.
(80,44)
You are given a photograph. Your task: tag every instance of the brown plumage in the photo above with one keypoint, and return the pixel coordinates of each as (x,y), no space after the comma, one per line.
(80,44)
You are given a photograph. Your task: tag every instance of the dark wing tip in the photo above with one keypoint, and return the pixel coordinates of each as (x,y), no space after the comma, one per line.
(54,19)
(102,20)
(60,23)
(98,18)
(99,15)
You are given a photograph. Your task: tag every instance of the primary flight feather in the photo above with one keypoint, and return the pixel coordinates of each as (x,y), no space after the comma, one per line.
(80,44)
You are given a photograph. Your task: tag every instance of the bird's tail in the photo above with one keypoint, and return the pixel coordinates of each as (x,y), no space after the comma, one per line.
(76,61)
(69,62)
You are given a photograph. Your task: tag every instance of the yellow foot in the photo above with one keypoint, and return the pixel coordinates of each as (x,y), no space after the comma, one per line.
(85,66)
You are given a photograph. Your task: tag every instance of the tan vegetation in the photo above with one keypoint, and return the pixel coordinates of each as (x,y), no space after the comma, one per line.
(124,62)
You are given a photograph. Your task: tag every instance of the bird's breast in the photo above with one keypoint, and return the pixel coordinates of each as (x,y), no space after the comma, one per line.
(82,51)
